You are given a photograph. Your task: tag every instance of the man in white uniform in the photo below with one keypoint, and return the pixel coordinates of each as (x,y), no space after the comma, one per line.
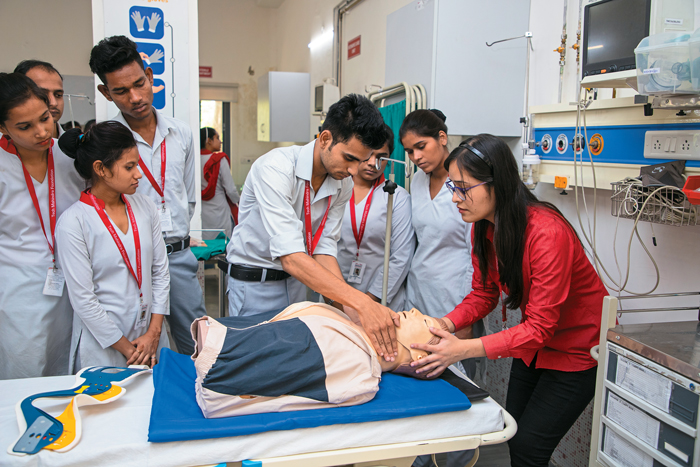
(48,78)
(167,160)
(363,236)
(290,218)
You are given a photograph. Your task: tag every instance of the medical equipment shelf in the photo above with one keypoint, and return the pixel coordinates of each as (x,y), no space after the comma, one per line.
(659,205)
(647,401)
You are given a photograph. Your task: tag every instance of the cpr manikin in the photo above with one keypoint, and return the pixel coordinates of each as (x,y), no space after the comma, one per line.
(308,356)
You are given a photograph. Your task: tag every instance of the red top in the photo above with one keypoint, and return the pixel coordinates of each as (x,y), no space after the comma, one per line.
(562,299)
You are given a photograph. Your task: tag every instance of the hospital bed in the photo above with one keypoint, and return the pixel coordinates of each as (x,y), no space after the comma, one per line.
(117,433)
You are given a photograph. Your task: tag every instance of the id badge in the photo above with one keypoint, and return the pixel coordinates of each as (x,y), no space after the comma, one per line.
(166,221)
(55,281)
(142,320)
(357,270)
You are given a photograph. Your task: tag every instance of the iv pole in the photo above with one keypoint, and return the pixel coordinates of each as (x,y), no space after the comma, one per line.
(389,187)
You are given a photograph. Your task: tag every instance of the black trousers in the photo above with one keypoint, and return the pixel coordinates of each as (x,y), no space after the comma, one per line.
(545,403)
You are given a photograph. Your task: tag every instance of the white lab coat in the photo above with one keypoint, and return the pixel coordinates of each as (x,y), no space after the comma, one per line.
(180,192)
(104,294)
(372,246)
(441,270)
(216,213)
(34,328)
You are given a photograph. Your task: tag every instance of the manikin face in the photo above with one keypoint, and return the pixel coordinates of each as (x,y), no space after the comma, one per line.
(130,88)
(368,169)
(124,175)
(342,160)
(29,125)
(414,329)
(425,151)
(480,203)
(53,84)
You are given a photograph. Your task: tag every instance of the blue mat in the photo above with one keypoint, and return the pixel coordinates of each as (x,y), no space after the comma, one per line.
(175,415)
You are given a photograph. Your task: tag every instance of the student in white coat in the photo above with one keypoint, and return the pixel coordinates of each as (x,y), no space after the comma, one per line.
(167,160)
(35,176)
(441,270)
(291,214)
(363,236)
(219,194)
(115,262)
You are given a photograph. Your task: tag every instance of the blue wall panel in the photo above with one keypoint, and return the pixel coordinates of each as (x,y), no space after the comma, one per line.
(622,144)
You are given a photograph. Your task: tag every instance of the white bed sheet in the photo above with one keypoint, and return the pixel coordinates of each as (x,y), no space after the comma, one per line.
(117,433)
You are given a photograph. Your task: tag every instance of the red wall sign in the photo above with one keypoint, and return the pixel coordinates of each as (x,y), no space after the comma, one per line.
(354,47)
(205,72)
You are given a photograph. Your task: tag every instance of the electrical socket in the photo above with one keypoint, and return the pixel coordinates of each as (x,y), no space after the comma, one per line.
(681,144)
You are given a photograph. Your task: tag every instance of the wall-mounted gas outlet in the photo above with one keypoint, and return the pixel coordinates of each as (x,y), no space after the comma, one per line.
(681,144)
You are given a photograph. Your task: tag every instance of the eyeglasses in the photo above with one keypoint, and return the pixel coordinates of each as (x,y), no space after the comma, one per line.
(461,192)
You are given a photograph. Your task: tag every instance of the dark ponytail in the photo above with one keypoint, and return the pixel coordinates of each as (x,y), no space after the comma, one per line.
(105,142)
(15,90)
(204,134)
(424,122)
(499,170)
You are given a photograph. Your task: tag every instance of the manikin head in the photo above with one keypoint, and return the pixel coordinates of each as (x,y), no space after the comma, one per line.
(414,329)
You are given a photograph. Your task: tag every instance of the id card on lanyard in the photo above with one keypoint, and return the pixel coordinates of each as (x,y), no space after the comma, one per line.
(142,312)
(55,282)
(166,220)
(312,240)
(357,268)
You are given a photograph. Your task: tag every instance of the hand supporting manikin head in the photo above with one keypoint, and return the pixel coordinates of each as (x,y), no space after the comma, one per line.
(414,329)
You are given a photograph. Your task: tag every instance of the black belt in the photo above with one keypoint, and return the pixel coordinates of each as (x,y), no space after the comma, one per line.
(177,246)
(248,274)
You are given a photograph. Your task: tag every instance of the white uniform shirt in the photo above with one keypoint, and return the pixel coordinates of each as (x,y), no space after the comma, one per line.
(441,270)
(104,294)
(34,328)
(180,191)
(216,213)
(271,213)
(373,242)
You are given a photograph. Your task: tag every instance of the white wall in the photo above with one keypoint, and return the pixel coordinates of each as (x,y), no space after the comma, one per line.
(59,32)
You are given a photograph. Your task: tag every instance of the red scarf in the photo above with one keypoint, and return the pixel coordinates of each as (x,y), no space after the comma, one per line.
(211,175)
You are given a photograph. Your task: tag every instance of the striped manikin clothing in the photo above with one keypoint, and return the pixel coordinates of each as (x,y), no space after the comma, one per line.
(309,356)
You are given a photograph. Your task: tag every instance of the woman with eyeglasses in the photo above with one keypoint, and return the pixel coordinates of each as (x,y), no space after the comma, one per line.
(526,250)
(438,279)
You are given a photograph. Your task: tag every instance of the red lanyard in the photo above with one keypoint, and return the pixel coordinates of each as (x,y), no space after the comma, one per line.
(52,200)
(363,223)
(135,231)
(149,175)
(311,242)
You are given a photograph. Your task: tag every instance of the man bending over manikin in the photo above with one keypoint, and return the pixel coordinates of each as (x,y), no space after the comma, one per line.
(309,356)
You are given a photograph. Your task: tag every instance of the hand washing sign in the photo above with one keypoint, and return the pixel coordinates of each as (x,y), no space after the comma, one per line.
(161,35)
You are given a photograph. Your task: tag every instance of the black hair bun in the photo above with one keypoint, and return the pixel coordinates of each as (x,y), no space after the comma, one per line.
(70,141)
(439,114)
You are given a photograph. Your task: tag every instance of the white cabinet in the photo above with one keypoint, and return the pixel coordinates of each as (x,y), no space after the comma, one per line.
(441,44)
(284,107)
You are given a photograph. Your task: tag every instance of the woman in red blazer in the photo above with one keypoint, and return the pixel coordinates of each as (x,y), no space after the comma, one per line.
(525,251)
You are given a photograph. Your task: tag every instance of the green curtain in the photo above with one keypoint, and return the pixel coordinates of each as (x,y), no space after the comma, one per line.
(393,116)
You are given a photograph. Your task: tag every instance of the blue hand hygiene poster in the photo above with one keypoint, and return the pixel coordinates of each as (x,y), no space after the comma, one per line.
(161,31)
(146,23)
(153,56)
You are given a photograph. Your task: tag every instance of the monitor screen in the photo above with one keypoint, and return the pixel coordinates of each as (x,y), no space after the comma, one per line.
(612,30)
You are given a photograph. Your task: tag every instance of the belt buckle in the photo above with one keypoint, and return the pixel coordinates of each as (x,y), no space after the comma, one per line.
(168,248)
